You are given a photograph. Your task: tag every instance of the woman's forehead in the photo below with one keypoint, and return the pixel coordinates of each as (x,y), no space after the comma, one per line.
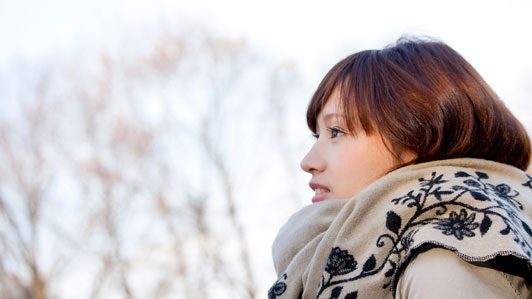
(332,115)
(332,105)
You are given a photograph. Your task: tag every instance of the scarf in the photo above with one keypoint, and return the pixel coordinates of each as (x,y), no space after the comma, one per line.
(355,248)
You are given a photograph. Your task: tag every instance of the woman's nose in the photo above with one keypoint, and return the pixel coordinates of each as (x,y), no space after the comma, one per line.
(313,162)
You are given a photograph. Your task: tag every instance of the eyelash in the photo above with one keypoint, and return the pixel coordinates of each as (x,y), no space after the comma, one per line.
(335,133)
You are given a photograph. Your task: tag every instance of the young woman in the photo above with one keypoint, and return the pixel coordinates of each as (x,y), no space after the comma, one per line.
(419,185)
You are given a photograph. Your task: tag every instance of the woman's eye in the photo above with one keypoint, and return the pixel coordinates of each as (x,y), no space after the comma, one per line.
(336,133)
(333,131)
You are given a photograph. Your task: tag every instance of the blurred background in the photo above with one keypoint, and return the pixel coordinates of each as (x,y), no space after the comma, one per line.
(150,149)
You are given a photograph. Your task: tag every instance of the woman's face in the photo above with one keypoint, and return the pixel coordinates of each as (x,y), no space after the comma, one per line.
(341,163)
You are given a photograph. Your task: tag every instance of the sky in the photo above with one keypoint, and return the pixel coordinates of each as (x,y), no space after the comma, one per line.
(494,36)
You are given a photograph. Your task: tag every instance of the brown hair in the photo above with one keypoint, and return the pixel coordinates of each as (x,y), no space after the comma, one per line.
(423,96)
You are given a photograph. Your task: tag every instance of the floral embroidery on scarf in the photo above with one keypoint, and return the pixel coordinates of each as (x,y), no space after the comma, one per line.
(459,225)
(278,287)
(529,183)
(340,262)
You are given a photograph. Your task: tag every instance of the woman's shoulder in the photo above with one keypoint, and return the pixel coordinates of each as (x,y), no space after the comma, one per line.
(440,273)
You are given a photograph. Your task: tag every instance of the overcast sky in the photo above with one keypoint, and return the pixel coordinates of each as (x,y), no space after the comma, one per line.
(494,37)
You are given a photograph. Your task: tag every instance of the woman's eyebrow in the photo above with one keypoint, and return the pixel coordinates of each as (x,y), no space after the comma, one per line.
(327,116)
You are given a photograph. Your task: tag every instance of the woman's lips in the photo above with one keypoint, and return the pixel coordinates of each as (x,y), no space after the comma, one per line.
(321,192)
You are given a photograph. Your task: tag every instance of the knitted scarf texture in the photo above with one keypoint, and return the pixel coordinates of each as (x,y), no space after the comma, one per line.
(356,248)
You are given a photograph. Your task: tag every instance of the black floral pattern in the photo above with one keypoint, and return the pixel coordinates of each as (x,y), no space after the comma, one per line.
(340,262)
(278,287)
(529,182)
(459,225)
(408,240)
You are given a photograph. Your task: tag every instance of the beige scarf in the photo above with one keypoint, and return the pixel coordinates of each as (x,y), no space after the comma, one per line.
(355,248)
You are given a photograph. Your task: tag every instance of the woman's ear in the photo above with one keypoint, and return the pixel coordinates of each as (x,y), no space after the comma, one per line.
(407,156)
(403,156)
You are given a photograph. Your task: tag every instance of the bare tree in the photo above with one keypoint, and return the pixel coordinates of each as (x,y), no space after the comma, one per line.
(154,151)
